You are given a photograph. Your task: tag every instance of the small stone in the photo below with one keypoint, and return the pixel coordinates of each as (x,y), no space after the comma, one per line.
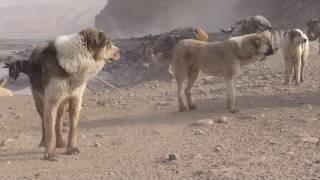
(98,135)
(163,104)
(173,157)
(222,119)
(8,162)
(97,145)
(199,132)
(218,148)
(204,122)
(262,115)
(265,109)
(308,106)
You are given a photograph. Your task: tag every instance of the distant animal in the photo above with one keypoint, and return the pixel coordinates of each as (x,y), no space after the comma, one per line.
(4,92)
(17,67)
(313,30)
(248,25)
(59,74)
(295,51)
(222,59)
(160,50)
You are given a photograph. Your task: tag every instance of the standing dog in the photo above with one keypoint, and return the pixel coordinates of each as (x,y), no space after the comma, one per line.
(217,59)
(295,51)
(59,74)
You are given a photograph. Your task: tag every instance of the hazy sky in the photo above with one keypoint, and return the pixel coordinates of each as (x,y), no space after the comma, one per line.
(47,17)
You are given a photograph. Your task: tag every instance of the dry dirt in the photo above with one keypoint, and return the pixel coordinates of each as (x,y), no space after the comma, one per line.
(129,134)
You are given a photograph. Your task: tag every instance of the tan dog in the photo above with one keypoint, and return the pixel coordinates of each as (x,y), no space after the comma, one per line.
(59,74)
(217,59)
(295,51)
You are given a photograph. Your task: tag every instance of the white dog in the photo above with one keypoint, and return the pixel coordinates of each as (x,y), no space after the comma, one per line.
(295,51)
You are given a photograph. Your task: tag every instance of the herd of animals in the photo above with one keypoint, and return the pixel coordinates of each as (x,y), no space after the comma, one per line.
(59,71)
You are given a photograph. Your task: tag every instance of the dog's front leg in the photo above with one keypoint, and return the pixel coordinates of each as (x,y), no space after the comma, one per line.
(231,94)
(74,112)
(297,70)
(50,114)
(288,70)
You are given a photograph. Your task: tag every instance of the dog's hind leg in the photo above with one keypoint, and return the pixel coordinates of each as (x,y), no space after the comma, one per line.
(59,126)
(231,94)
(50,115)
(303,64)
(192,77)
(39,106)
(297,70)
(288,71)
(74,112)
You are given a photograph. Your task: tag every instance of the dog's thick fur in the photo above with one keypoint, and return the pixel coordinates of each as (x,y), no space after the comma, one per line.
(160,50)
(59,73)
(217,59)
(313,30)
(295,51)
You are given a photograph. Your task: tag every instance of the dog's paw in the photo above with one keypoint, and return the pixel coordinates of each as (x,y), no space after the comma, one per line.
(192,107)
(73,151)
(61,144)
(50,157)
(183,109)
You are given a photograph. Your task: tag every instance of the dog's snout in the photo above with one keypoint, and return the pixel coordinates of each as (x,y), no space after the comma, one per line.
(270,51)
(304,40)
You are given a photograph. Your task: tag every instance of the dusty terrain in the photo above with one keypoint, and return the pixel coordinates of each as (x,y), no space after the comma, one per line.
(129,134)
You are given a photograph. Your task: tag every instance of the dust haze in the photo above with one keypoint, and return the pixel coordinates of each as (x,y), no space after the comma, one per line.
(46,17)
(124,18)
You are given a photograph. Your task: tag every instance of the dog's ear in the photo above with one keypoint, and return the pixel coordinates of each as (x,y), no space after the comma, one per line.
(6,65)
(94,39)
(223,31)
(102,40)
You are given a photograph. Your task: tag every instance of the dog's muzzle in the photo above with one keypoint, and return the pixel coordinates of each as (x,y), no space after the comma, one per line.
(269,52)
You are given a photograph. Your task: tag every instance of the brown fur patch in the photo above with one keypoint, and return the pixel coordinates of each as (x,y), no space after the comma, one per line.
(95,41)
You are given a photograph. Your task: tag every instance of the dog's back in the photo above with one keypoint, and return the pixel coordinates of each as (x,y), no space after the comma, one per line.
(44,65)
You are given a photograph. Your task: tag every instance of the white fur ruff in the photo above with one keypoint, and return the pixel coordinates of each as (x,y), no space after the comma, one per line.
(75,58)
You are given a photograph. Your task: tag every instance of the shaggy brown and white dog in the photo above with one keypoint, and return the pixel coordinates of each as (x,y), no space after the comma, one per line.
(295,51)
(59,74)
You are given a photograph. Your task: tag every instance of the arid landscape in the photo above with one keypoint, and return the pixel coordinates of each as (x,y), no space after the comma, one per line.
(138,133)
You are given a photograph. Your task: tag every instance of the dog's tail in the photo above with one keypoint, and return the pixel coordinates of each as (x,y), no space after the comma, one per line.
(171,70)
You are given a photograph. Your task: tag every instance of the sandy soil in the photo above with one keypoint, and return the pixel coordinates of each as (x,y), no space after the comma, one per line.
(129,134)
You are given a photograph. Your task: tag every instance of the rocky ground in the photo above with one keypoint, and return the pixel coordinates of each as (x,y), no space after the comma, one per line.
(137,133)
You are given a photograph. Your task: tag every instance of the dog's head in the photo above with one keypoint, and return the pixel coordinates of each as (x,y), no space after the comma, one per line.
(313,29)
(100,45)
(228,32)
(297,37)
(263,43)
